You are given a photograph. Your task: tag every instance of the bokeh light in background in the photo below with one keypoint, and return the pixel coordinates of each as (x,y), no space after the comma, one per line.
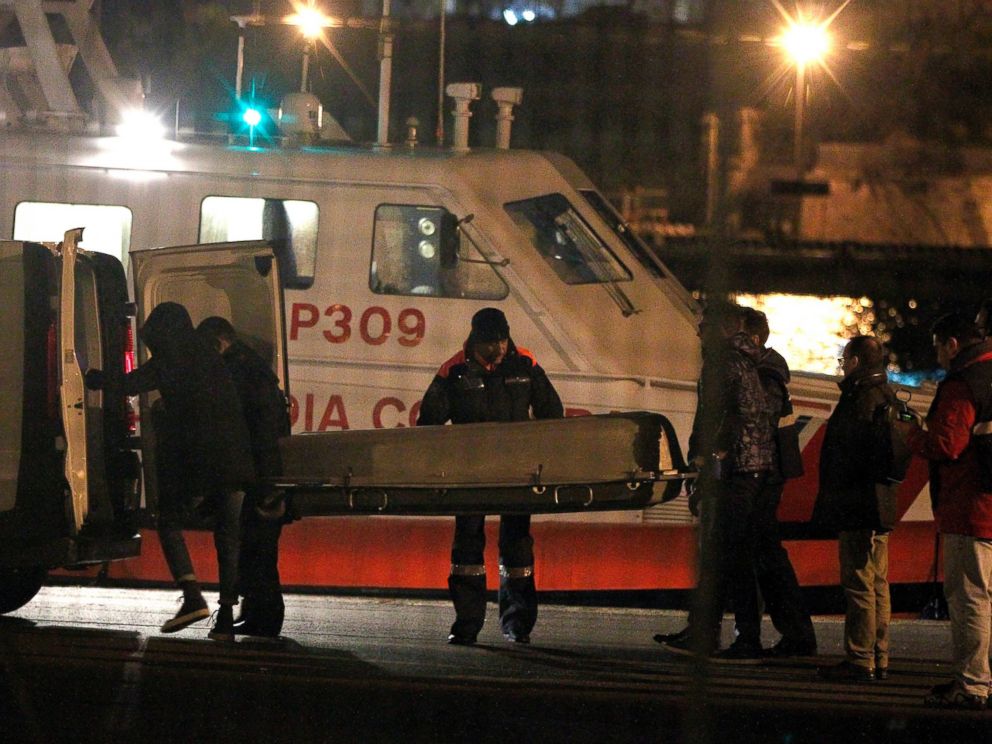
(810,332)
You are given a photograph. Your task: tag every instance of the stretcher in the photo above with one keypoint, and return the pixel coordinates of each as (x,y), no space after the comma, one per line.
(587,463)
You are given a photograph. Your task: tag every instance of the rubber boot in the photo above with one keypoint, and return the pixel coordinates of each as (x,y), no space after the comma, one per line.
(517,607)
(468,593)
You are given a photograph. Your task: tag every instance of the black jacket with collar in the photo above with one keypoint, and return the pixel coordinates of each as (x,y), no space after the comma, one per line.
(464,391)
(851,458)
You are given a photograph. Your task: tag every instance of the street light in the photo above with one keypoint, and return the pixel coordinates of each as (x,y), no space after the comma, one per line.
(311,23)
(805,43)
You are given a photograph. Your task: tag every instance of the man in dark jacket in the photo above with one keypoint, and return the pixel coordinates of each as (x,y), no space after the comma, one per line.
(855,501)
(731,444)
(267,415)
(776,576)
(491,379)
(957,445)
(204,452)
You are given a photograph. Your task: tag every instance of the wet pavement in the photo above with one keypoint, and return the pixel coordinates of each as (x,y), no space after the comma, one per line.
(88,664)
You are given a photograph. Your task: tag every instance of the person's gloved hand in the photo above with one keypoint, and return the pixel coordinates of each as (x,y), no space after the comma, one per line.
(694,498)
(95,379)
(272,505)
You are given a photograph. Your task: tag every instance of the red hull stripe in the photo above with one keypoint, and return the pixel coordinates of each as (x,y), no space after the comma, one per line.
(413,553)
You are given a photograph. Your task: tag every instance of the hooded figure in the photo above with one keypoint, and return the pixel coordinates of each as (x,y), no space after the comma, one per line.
(199,397)
(204,454)
(491,379)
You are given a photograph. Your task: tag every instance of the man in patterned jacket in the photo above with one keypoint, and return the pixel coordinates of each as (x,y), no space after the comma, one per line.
(732,445)
(491,379)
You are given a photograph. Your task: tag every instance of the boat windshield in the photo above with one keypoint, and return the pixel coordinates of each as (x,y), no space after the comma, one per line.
(565,241)
(612,218)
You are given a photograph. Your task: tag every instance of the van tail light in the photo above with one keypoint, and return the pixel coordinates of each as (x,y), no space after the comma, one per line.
(128,349)
(131,410)
(52,366)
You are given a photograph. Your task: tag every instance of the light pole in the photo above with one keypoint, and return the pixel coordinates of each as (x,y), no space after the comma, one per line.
(311,23)
(805,43)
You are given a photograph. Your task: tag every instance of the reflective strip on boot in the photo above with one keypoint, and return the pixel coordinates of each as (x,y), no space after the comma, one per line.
(515,573)
(468,569)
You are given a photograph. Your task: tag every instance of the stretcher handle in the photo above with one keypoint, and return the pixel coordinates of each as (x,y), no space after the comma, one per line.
(351,497)
(577,485)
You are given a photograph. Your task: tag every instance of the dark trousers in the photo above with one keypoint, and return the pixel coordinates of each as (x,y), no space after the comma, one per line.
(776,577)
(726,558)
(467,583)
(259,566)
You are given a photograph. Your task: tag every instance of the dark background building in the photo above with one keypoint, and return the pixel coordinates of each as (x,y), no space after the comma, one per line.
(896,121)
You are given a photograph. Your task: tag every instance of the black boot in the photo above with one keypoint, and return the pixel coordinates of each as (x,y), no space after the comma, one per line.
(468,593)
(517,603)
(260,617)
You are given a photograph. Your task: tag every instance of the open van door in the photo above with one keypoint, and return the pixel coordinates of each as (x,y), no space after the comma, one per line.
(66,473)
(239,281)
(101,473)
(72,389)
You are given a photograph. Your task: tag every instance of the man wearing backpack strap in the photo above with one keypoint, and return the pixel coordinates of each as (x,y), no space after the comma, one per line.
(956,444)
(776,576)
(848,503)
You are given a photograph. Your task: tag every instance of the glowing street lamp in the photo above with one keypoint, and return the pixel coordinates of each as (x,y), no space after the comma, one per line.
(311,23)
(805,43)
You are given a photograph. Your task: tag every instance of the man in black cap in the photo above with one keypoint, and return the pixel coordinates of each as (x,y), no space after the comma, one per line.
(491,379)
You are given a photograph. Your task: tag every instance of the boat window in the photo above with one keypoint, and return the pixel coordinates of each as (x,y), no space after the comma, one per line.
(410,257)
(565,241)
(636,246)
(107,227)
(289,225)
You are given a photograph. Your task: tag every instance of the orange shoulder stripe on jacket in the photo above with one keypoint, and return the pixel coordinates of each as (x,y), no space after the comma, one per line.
(458,358)
(527,353)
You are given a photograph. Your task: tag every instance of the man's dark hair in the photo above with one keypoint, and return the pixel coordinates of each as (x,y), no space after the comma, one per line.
(756,324)
(728,316)
(869,351)
(216,328)
(959,326)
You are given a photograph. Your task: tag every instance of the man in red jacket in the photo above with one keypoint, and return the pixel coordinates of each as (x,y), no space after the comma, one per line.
(961,485)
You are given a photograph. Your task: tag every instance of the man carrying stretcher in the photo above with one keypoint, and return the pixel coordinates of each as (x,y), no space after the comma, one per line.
(491,379)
